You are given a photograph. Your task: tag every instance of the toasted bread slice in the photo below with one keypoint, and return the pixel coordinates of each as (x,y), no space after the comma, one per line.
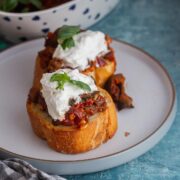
(70,139)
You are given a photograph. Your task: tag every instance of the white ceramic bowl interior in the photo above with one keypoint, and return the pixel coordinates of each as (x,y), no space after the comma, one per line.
(17,27)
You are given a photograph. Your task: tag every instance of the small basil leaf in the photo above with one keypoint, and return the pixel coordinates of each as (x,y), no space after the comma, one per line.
(60,85)
(61,79)
(68,43)
(24,1)
(81,85)
(64,78)
(8,5)
(66,32)
(37,3)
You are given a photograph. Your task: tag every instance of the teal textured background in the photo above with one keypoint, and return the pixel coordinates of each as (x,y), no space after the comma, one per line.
(155,27)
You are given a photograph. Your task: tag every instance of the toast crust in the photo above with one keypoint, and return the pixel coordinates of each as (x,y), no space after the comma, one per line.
(70,139)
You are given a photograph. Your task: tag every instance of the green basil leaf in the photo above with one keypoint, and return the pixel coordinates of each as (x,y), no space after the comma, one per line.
(8,5)
(61,79)
(64,78)
(66,32)
(68,43)
(24,1)
(81,85)
(60,85)
(37,3)
(65,36)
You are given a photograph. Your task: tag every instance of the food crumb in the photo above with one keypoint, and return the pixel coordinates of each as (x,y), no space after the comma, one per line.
(126,134)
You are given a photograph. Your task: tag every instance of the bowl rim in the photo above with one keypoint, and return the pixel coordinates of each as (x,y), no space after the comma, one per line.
(40,11)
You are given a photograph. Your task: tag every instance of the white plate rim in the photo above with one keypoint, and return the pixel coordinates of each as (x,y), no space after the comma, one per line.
(151,58)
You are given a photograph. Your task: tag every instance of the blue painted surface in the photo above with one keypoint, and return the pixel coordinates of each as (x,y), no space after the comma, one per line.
(154,26)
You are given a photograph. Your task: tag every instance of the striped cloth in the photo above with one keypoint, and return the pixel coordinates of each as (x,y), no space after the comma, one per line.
(16,169)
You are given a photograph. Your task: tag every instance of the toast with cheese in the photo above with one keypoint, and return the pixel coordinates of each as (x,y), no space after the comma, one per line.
(72,139)
(100,68)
